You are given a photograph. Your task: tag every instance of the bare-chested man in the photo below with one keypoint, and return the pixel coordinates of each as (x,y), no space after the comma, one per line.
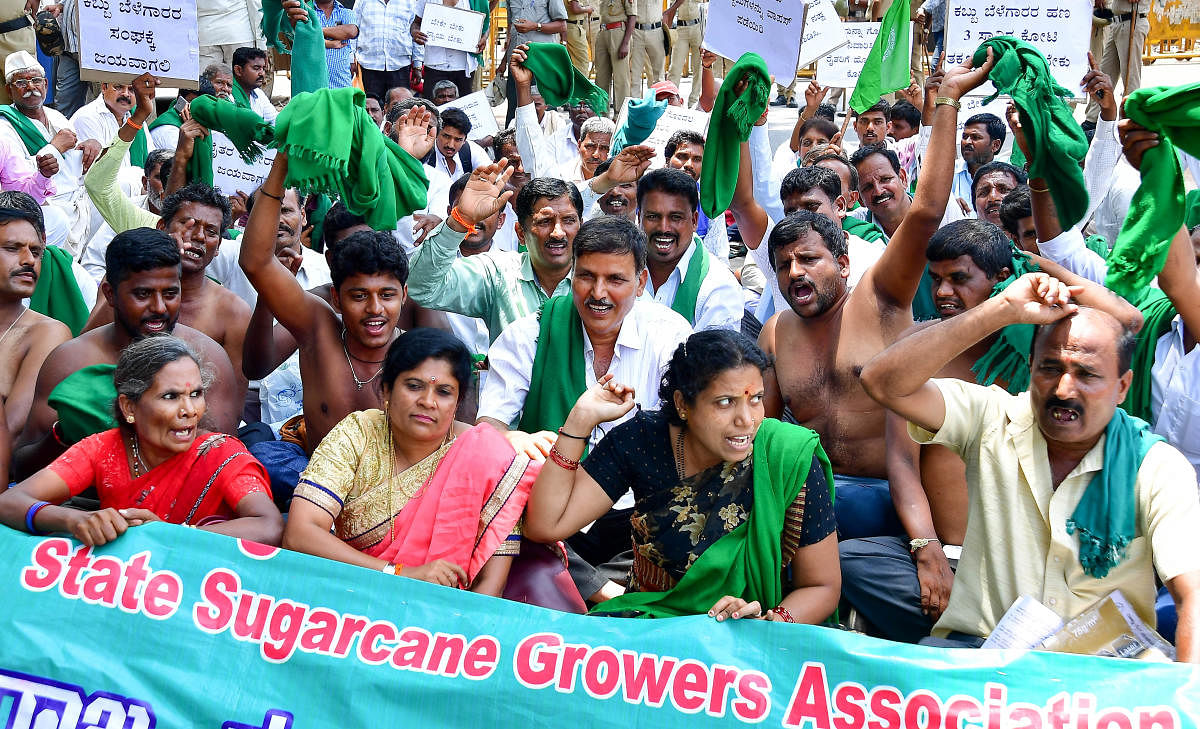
(821,344)
(74,393)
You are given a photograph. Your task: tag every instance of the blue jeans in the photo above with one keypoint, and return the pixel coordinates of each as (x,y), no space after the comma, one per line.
(70,92)
(863,507)
(284,462)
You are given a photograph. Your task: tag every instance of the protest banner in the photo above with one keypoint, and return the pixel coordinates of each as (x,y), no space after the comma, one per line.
(232,174)
(770,28)
(1060,29)
(674,119)
(176,627)
(841,68)
(479,111)
(823,32)
(449,27)
(118,42)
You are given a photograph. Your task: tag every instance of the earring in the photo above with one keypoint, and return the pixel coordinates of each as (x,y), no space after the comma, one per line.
(129,419)
(683,417)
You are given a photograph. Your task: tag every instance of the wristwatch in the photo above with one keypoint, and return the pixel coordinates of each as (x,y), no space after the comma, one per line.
(539,27)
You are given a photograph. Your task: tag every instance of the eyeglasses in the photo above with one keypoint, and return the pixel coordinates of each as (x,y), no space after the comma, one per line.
(24,83)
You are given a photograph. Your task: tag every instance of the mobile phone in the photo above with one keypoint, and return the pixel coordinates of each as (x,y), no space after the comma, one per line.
(179,105)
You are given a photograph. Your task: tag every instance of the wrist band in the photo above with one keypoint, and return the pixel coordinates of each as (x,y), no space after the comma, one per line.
(1039,189)
(391,568)
(783,613)
(31,514)
(920,542)
(56,433)
(562,461)
(278,197)
(132,123)
(947,101)
(568,435)
(458,218)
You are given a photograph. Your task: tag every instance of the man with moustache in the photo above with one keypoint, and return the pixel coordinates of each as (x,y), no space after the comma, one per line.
(220,75)
(990,184)
(1070,497)
(249,76)
(621,200)
(982,138)
(74,393)
(883,189)
(107,113)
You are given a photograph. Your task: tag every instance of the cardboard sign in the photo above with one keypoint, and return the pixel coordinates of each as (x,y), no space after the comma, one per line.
(674,119)
(770,28)
(841,68)
(451,27)
(232,174)
(122,40)
(823,32)
(479,111)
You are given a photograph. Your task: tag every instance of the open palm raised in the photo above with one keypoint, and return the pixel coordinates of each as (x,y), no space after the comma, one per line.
(485,193)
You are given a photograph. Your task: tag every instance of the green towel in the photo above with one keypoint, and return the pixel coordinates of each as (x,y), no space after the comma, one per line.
(1008,357)
(1191,217)
(240,98)
(886,67)
(864,229)
(1157,314)
(748,561)
(1098,245)
(557,367)
(729,125)
(1106,517)
(1156,211)
(138,148)
(245,128)
(309,69)
(57,292)
(642,116)
(689,288)
(1056,142)
(199,167)
(30,135)
(334,147)
(559,82)
(84,402)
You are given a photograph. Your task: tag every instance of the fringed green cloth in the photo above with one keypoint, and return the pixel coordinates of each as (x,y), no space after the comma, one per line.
(334,147)
(309,69)
(57,292)
(1106,517)
(729,125)
(1157,210)
(1007,360)
(1057,144)
(246,129)
(559,82)
(1157,314)
(640,119)
(199,167)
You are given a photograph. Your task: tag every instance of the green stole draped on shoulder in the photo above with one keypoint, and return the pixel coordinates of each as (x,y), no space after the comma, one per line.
(748,561)
(240,97)
(57,292)
(689,288)
(557,379)
(139,148)
(1157,313)
(864,229)
(84,401)
(199,167)
(33,138)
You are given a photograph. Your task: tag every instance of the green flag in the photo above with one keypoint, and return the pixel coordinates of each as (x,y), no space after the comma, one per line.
(886,69)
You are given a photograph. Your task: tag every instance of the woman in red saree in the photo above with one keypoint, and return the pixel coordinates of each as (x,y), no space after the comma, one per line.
(157,465)
(407,489)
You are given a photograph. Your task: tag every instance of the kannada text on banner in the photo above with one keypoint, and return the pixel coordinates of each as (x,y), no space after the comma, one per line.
(770,28)
(176,627)
(823,32)
(122,39)
(841,68)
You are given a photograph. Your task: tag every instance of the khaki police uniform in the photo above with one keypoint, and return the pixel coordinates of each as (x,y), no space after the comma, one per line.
(647,56)
(612,73)
(689,31)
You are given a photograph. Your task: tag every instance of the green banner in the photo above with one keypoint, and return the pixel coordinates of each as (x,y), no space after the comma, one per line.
(175,627)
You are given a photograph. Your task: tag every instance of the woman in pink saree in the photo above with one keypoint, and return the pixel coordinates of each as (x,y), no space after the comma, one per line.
(407,489)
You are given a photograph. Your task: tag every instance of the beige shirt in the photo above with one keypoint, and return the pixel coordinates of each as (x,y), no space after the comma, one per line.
(689,10)
(1017,542)
(615,11)
(649,11)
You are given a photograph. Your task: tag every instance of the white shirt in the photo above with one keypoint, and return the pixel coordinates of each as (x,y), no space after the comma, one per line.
(719,302)
(478,158)
(783,162)
(92,257)
(224,268)
(505,238)
(537,155)
(1175,393)
(438,200)
(449,59)
(95,121)
(647,340)
(261,105)
(68,181)
(226,22)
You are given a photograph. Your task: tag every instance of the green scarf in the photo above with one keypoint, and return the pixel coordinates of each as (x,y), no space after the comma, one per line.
(1098,245)
(139,149)
(57,292)
(1008,357)
(1056,143)
(305,42)
(84,402)
(1157,314)
(1156,211)
(1106,517)
(245,128)
(642,117)
(557,367)
(748,561)
(240,98)
(561,83)
(729,125)
(864,229)
(1191,216)
(689,288)
(886,68)
(199,167)
(334,147)
(30,135)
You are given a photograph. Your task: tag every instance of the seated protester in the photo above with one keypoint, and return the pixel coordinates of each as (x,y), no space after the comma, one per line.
(157,464)
(411,228)
(1016,216)
(139,211)
(1070,497)
(830,159)
(819,190)
(594,143)
(726,500)
(444,92)
(685,151)
(375,108)
(883,189)
(982,138)
(990,184)
(408,490)
(452,152)
(74,390)
(164,130)
(620,201)
(249,76)
(102,117)
(807,134)
(905,121)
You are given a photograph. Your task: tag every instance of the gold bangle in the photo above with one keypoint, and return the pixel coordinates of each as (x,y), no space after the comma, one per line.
(947,101)
(1039,189)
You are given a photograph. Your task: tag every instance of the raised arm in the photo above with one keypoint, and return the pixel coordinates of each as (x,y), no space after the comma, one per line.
(101,180)
(532,144)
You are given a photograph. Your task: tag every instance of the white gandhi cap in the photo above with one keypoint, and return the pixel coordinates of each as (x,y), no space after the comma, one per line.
(19,61)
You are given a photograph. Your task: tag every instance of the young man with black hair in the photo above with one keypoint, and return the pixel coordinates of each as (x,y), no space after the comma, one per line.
(1016,216)
(982,137)
(452,152)
(250,68)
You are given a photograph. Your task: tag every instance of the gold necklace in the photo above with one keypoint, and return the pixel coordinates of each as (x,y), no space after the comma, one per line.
(391,481)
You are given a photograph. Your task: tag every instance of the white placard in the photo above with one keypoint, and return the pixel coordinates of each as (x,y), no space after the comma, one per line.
(450,27)
(122,40)
(841,68)
(823,32)
(672,120)
(477,109)
(1060,29)
(231,174)
(770,28)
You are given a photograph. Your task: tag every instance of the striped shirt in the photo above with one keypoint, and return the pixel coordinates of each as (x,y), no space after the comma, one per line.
(338,59)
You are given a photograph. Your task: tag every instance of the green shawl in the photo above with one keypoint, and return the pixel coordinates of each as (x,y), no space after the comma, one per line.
(1106,516)
(57,292)
(1157,313)
(689,288)
(558,377)
(84,402)
(305,42)
(748,561)
(244,127)
(1008,357)
(1098,245)
(199,167)
(864,229)
(640,120)
(334,147)
(1057,145)
(729,125)
(139,148)
(30,135)
(559,82)
(1156,211)
(1191,217)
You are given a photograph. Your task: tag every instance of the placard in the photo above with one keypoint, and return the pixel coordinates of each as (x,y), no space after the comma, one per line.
(770,28)
(674,119)
(450,27)
(823,32)
(1060,29)
(841,68)
(121,40)
(232,174)
(479,111)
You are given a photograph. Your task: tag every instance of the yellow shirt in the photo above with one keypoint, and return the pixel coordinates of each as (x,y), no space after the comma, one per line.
(1017,542)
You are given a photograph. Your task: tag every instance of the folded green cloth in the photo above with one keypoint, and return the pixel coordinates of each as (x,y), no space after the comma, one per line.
(1008,357)
(84,402)
(246,129)
(334,147)
(1157,314)
(1098,245)
(640,119)
(1156,211)
(57,292)
(864,229)
(688,293)
(199,167)
(309,69)
(558,368)
(32,137)
(1057,144)
(729,125)
(559,82)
